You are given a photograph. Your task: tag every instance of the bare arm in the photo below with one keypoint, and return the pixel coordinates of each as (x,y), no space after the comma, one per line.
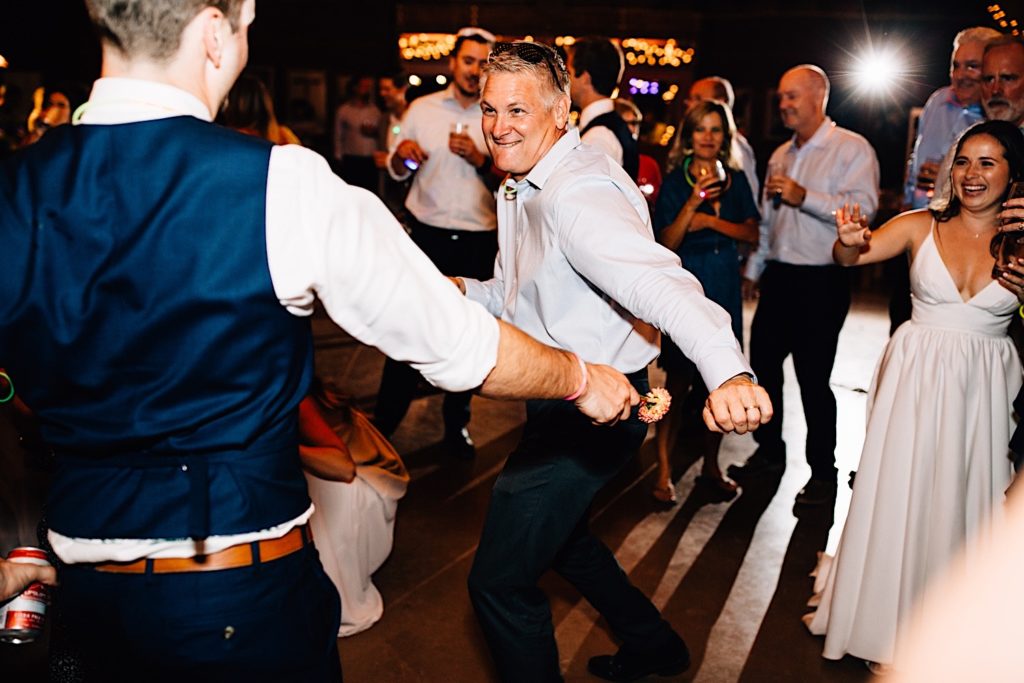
(744,232)
(528,369)
(857,245)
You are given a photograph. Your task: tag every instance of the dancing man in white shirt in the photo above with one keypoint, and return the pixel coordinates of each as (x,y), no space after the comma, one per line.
(579,268)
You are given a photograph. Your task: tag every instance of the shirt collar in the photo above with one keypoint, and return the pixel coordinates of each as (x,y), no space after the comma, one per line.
(449,96)
(543,169)
(126,100)
(820,135)
(595,109)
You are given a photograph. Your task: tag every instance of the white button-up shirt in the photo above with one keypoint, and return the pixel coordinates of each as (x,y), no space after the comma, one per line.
(836,166)
(446,192)
(601,137)
(578,268)
(329,240)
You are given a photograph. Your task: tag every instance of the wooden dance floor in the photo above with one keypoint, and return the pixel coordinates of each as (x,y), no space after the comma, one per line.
(731,577)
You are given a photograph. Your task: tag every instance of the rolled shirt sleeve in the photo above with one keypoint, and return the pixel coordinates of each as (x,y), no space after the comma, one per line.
(339,243)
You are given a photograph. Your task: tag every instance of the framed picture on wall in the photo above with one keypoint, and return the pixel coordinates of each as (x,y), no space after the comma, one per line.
(306,101)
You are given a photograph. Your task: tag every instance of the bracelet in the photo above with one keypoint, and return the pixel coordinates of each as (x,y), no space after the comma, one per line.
(10,384)
(583,381)
(1020,311)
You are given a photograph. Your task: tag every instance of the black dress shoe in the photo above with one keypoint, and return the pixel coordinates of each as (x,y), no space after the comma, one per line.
(459,444)
(630,665)
(760,464)
(817,492)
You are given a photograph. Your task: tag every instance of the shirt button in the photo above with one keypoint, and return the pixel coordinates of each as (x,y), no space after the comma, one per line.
(455,237)
(184,468)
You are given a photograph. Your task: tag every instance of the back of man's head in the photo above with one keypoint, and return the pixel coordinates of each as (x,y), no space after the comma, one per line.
(602,59)
(717,88)
(151,29)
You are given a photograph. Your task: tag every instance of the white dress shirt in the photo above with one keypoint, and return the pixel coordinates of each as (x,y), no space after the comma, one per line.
(446,192)
(601,137)
(578,268)
(355,130)
(748,162)
(836,167)
(326,240)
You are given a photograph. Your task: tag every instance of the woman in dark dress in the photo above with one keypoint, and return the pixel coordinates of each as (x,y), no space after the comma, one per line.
(704,209)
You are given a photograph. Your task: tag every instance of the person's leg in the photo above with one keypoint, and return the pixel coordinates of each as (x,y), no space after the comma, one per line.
(679,374)
(275,622)
(394,396)
(539,501)
(814,356)
(771,334)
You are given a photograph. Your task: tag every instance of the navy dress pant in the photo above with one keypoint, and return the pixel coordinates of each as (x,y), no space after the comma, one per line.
(275,622)
(800,312)
(537,521)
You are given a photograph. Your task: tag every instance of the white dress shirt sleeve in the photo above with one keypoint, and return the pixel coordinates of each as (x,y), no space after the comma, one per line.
(490,293)
(341,244)
(857,167)
(610,244)
(602,138)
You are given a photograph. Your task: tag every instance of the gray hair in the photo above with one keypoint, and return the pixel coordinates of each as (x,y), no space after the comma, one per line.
(975,34)
(549,67)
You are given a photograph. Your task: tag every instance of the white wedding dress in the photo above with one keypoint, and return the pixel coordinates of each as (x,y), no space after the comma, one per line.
(935,462)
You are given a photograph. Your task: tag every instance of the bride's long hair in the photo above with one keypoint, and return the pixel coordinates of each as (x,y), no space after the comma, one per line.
(946,204)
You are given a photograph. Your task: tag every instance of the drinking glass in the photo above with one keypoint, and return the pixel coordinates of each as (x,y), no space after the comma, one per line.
(1008,245)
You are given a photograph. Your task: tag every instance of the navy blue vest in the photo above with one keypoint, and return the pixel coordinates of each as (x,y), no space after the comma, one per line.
(630,149)
(138,320)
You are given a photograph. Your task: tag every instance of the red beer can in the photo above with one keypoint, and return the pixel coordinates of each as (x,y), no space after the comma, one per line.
(21,618)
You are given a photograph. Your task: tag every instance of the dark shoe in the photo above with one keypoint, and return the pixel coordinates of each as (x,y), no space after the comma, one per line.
(626,665)
(717,488)
(760,464)
(459,444)
(817,492)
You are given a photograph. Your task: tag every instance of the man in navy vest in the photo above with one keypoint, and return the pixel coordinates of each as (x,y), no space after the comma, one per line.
(158,274)
(595,68)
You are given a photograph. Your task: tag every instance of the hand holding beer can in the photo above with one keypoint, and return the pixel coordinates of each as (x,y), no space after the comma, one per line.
(22,617)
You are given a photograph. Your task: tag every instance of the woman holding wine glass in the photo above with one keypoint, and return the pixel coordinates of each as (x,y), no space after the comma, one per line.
(935,466)
(704,208)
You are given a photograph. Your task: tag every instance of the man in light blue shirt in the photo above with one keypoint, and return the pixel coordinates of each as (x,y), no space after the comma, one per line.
(948,112)
(578,267)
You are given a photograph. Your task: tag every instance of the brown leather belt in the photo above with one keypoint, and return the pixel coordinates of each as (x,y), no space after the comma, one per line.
(242,555)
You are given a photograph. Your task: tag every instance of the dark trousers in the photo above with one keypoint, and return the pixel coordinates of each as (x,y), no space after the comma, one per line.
(800,312)
(537,520)
(455,253)
(274,622)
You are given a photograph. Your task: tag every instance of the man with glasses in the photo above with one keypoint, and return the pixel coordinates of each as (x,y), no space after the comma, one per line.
(579,268)
(450,213)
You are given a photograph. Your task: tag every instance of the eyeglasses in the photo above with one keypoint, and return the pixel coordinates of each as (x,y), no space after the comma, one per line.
(534,54)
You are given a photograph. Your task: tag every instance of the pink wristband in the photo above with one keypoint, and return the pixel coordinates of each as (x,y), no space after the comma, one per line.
(583,381)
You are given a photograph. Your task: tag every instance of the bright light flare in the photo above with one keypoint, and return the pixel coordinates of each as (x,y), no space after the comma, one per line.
(877,71)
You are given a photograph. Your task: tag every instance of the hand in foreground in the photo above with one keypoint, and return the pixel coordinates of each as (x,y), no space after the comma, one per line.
(790,191)
(609,397)
(1012,216)
(703,189)
(15,577)
(738,405)
(852,226)
(1012,278)
(409,149)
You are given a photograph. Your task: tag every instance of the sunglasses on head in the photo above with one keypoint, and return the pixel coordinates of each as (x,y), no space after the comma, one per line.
(532,53)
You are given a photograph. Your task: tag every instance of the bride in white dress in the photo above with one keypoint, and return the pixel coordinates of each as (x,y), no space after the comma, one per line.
(935,463)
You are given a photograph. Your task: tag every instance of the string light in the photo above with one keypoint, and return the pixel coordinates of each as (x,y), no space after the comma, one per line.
(999,16)
(427,47)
